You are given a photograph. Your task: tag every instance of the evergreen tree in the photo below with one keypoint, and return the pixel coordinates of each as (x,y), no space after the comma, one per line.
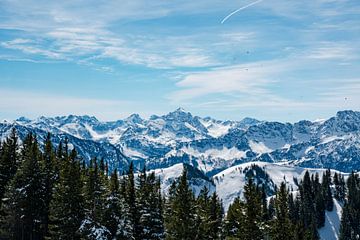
(112,213)
(181,223)
(9,161)
(216,214)
(235,220)
(350,221)
(24,206)
(253,208)
(48,169)
(95,195)
(281,227)
(150,207)
(67,205)
(209,215)
(130,196)
(326,190)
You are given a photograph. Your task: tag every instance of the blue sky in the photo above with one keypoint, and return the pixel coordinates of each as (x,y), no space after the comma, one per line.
(273,59)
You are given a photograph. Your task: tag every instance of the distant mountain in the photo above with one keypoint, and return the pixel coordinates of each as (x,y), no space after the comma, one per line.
(208,144)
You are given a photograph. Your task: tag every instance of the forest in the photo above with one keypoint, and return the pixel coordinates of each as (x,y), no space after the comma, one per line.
(49,192)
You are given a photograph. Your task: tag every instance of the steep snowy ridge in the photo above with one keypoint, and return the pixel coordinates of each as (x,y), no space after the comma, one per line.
(208,144)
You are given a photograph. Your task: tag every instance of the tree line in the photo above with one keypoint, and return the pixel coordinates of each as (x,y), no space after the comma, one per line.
(51,193)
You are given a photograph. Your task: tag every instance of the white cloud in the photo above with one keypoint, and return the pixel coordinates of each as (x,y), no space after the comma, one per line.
(246,79)
(333,51)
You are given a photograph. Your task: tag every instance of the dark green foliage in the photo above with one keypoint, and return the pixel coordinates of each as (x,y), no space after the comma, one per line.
(340,188)
(180,219)
(350,222)
(326,190)
(9,161)
(253,210)
(67,205)
(281,225)
(235,219)
(24,206)
(209,215)
(149,205)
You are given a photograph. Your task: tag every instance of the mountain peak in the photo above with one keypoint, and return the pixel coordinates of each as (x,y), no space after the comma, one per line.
(134,118)
(23,119)
(180,109)
(179,114)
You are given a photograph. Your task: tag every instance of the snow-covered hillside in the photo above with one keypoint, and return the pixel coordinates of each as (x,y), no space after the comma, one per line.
(230,182)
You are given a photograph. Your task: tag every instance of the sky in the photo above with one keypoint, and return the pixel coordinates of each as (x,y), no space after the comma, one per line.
(269,59)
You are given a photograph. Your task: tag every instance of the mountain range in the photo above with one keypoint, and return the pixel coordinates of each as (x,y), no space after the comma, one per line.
(207,144)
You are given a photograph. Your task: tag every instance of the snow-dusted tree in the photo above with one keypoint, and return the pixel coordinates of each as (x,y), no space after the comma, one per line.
(24,205)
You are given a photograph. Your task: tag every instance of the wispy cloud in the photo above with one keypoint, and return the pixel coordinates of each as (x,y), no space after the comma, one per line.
(333,51)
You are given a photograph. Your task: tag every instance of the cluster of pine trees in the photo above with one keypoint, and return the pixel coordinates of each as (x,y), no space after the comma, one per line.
(285,216)
(50,193)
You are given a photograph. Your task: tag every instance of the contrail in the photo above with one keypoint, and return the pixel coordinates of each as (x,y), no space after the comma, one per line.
(238,10)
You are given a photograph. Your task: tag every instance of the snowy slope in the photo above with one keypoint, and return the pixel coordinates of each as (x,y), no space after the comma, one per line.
(332,223)
(197,180)
(230,182)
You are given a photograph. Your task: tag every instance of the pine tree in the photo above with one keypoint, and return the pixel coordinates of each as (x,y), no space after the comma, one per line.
(253,209)
(150,207)
(67,205)
(24,206)
(48,169)
(181,223)
(9,161)
(202,209)
(281,227)
(95,195)
(235,220)
(112,213)
(209,215)
(326,190)
(216,215)
(350,227)
(130,194)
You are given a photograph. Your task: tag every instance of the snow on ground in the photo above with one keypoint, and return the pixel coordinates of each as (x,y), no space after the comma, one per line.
(332,223)
(170,174)
(230,182)
(259,147)
(132,153)
(213,153)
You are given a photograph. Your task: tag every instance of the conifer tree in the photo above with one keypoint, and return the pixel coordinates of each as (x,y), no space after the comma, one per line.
(112,213)
(253,209)
(350,227)
(235,220)
(95,195)
(326,190)
(9,161)
(181,224)
(216,213)
(130,194)
(150,207)
(48,170)
(281,227)
(67,205)
(24,206)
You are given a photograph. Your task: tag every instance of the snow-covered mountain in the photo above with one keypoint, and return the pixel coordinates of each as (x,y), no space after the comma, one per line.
(208,144)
